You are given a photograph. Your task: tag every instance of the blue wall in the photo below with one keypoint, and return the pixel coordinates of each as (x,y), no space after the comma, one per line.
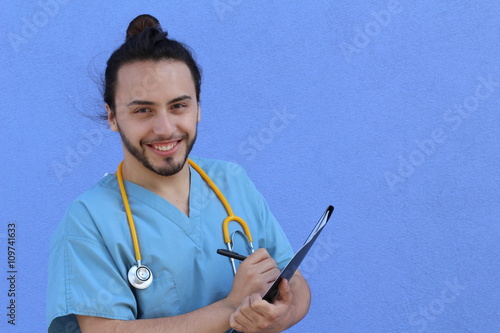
(387,109)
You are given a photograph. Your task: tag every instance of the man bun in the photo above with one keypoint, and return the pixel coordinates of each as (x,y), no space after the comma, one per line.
(146,41)
(141,23)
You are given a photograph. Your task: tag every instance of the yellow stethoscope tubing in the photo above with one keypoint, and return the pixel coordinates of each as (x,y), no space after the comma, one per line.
(206,178)
(130,219)
(231,217)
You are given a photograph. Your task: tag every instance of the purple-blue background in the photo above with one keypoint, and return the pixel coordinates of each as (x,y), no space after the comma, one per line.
(388,110)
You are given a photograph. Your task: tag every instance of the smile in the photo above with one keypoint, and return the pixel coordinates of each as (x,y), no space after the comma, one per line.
(165,147)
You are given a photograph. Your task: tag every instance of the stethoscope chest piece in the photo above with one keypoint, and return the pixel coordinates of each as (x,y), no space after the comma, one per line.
(140,276)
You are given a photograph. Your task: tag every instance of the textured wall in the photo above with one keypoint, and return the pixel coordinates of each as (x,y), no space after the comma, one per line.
(387,109)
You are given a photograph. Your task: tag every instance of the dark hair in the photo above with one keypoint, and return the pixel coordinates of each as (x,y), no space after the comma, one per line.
(146,40)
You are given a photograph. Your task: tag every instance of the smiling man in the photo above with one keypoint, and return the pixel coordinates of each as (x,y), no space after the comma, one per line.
(159,130)
(159,210)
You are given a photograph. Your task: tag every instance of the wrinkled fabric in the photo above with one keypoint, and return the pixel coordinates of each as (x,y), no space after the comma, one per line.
(92,251)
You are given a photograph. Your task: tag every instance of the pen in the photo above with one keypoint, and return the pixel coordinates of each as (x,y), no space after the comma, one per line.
(231,254)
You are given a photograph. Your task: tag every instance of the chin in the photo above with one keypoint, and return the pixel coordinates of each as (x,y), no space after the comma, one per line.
(168,167)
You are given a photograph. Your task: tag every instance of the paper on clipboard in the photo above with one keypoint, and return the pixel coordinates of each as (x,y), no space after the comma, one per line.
(294,263)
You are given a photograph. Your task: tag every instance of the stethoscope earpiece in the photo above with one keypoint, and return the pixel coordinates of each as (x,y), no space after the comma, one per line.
(140,276)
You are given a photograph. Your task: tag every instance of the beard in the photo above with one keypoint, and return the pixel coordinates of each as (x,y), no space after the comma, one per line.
(172,167)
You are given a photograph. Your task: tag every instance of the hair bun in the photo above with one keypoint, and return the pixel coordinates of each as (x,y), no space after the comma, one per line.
(141,23)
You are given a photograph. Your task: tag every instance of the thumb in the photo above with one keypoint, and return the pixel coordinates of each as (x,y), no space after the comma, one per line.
(285,293)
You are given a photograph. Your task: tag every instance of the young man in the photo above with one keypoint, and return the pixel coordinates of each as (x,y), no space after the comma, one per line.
(152,93)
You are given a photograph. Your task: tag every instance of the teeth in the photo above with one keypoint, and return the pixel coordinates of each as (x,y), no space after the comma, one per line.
(165,148)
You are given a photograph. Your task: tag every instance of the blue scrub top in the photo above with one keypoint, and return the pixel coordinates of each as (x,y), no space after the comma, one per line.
(92,251)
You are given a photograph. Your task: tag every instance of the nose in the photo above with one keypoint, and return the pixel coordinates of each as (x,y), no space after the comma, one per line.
(163,124)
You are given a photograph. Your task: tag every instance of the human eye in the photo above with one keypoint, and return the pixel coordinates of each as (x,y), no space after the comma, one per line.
(142,110)
(178,106)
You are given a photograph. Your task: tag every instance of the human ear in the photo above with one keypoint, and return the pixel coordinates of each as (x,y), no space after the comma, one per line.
(111,119)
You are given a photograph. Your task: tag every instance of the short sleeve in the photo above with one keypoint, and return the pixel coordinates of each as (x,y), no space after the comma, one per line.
(83,277)
(277,243)
(273,238)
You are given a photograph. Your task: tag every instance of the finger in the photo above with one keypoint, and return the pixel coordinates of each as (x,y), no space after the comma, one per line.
(266,266)
(244,318)
(238,320)
(258,305)
(253,309)
(270,275)
(236,324)
(262,314)
(285,292)
(258,256)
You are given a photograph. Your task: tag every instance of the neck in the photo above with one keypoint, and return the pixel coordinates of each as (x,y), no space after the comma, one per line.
(174,188)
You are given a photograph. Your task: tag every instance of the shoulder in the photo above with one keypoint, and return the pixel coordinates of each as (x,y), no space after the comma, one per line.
(103,188)
(230,178)
(218,168)
(104,193)
(80,216)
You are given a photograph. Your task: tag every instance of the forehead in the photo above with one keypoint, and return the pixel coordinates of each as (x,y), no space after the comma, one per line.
(141,79)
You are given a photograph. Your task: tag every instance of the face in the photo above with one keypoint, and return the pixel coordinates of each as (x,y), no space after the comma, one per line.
(156,114)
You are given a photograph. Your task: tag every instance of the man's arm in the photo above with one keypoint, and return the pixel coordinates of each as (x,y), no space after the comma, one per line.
(291,305)
(212,318)
(255,275)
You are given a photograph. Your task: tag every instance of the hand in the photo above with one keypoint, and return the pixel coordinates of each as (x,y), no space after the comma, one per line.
(255,275)
(257,315)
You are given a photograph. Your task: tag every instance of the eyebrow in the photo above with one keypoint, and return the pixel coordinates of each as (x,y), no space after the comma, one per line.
(175,100)
(180,98)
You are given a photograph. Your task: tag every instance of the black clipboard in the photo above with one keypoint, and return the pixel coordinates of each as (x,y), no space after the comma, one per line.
(294,263)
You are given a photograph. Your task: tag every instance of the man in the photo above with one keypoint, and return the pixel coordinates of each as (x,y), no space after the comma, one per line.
(152,100)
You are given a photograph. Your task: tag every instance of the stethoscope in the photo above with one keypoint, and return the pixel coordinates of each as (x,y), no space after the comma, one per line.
(139,275)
